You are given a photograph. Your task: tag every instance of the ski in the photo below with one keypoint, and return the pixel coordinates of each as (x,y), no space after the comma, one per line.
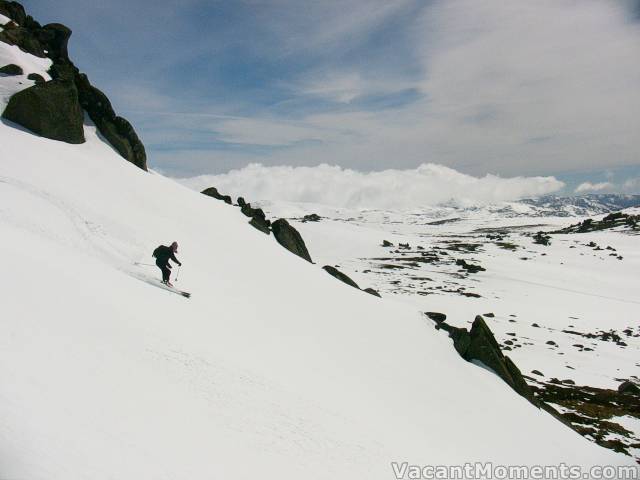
(158,283)
(174,290)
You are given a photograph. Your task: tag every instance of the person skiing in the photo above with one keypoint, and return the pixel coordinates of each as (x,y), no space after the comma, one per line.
(163,254)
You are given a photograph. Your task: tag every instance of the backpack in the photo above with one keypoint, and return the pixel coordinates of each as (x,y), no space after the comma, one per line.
(156,252)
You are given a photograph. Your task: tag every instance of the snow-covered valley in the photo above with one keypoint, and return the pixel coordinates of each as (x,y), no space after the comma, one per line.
(566,312)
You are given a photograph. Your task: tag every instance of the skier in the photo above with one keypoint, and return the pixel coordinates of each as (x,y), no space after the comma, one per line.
(163,254)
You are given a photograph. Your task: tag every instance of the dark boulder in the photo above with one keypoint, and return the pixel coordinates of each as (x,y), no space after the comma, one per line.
(485,348)
(251,212)
(51,110)
(260,224)
(11,69)
(54,37)
(23,38)
(373,292)
(436,316)
(14,11)
(469,267)
(387,243)
(290,238)
(36,78)
(213,192)
(541,238)
(258,218)
(628,388)
(480,345)
(312,217)
(116,130)
(460,336)
(340,276)
(50,41)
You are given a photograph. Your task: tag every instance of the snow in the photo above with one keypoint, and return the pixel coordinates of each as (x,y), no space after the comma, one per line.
(30,64)
(273,369)
(564,286)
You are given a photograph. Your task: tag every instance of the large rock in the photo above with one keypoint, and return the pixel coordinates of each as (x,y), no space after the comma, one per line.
(39,79)
(213,193)
(51,41)
(290,238)
(372,291)
(628,388)
(116,130)
(479,345)
(340,276)
(54,37)
(14,11)
(51,110)
(23,38)
(11,69)
(484,348)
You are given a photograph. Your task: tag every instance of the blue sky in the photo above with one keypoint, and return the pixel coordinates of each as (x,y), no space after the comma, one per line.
(482,86)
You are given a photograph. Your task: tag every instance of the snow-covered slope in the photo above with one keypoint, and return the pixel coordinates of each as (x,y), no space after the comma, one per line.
(271,370)
(565,312)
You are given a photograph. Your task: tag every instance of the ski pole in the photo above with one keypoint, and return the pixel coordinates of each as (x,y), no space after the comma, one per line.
(177,274)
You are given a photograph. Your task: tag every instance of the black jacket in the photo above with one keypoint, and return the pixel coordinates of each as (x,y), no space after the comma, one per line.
(163,254)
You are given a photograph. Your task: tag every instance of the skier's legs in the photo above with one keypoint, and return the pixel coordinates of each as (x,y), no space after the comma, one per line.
(166,271)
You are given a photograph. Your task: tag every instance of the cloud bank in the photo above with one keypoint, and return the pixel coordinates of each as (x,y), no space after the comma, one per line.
(428,184)
(589,187)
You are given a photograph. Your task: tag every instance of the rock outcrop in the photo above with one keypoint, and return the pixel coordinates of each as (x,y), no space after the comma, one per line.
(469,267)
(117,130)
(479,345)
(290,238)
(258,218)
(343,277)
(38,79)
(213,192)
(628,388)
(51,41)
(11,69)
(50,109)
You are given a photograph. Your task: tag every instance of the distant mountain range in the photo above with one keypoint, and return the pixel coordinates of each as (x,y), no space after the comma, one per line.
(583,205)
(547,206)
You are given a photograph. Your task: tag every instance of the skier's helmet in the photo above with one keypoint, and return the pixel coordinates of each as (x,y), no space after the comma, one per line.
(174,246)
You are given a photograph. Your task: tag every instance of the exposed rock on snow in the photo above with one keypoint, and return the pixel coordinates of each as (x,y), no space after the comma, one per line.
(11,69)
(117,130)
(593,411)
(258,218)
(50,41)
(469,267)
(629,388)
(613,220)
(343,277)
(37,78)
(480,345)
(312,217)
(436,316)
(51,110)
(372,291)
(213,193)
(290,238)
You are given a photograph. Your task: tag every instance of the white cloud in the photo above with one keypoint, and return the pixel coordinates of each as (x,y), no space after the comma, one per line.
(427,184)
(594,187)
(632,185)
